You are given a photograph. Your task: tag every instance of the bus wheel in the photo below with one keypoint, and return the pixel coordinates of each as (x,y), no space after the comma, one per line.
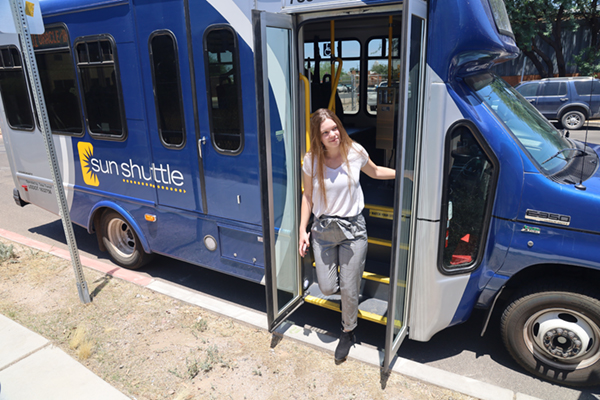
(554,333)
(121,242)
(572,120)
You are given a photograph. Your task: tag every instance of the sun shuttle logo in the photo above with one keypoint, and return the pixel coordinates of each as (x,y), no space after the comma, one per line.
(86,152)
(154,176)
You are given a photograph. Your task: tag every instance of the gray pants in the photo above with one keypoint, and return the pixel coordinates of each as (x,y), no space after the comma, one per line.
(341,242)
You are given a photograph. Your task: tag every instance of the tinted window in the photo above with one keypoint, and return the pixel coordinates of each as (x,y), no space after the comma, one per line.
(224,91)
(468,196)
(554,89)
(529,89)
(539,139)
(57,76)
(98,74)
(14,91)
(167,89)
(587,87)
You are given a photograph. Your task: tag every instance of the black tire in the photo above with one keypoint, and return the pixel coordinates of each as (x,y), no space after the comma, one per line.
(564,319)
(572,120)
(121,242)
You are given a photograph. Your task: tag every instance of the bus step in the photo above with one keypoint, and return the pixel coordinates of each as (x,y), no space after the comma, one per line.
(380,242)
(382,212)
(370,309)
(372,277)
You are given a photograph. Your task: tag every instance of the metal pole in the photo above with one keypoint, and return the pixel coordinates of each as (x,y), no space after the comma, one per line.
(34,77)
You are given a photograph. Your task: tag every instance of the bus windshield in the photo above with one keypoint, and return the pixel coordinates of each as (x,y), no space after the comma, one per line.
(539,138)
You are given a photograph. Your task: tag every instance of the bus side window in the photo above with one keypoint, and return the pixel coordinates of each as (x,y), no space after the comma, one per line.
(14,91)
(167,88)
(96,62)
(57,76)
(224,90)
(469,182)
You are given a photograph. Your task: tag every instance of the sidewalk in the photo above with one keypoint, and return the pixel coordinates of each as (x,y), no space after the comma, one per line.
(31,368)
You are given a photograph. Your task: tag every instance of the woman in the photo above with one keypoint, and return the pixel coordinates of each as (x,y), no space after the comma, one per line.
(333,194)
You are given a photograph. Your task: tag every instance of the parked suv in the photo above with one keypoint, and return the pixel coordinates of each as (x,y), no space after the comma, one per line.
(569,100)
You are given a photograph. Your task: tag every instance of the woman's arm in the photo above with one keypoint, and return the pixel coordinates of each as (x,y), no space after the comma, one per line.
(305,211)
(378,172)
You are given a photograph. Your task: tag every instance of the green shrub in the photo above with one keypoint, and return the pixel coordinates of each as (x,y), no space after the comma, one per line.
(6,252)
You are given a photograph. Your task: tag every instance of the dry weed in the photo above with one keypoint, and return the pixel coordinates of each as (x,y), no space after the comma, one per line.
(80,342)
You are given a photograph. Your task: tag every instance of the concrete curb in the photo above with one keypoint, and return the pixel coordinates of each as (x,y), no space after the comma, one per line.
(312,337)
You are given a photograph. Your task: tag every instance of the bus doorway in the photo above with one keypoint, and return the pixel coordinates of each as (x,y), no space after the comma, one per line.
(367,65)
(353,64)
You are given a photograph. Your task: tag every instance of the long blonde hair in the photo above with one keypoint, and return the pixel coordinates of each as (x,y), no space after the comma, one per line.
(317,149)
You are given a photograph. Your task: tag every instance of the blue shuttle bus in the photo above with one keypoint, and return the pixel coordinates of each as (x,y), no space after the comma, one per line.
(180,127)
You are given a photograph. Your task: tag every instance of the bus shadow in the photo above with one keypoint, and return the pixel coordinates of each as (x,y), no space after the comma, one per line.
(85,242)
(206,281)
(243,293)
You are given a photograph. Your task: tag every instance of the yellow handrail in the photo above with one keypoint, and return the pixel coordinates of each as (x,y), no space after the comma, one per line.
(334,84)
(306,110)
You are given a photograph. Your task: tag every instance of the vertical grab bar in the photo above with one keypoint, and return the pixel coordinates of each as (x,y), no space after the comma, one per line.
(389,81)
(306,110)
(332,47)
(334,84)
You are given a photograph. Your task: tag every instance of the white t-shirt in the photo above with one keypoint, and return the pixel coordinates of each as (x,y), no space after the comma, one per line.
(344,195)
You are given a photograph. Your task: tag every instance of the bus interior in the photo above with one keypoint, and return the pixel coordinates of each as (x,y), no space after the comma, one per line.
(365,78)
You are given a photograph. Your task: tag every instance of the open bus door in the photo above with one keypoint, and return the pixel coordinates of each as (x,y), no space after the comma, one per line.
(410,119)
(276,82)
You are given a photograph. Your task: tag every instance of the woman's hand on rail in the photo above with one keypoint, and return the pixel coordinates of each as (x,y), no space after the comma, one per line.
(304,243)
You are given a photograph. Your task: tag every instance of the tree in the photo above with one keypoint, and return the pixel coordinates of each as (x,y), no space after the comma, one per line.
(542,20)
(381,69)
(587,60)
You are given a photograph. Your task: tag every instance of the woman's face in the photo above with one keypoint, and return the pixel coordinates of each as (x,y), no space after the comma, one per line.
(330,135)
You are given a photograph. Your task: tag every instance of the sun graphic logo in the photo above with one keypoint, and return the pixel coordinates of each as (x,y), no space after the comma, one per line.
(86,151)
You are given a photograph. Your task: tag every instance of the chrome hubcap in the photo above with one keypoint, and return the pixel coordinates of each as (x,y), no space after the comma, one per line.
(120,235)
(564,338)
(573,120)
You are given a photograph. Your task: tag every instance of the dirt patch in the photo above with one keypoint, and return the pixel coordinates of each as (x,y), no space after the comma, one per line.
(150,346)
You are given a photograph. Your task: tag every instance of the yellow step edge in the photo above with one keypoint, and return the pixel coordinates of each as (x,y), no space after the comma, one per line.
(381,279)
(332,305)
(380,242)
(380,208)
(384,212)
(380,211)
(369,316)
(375,277)
(372,277)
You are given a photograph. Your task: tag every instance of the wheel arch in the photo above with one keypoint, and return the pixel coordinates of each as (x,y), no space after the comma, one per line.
(531,275)
(574,107)
(545,272)
(95,217)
